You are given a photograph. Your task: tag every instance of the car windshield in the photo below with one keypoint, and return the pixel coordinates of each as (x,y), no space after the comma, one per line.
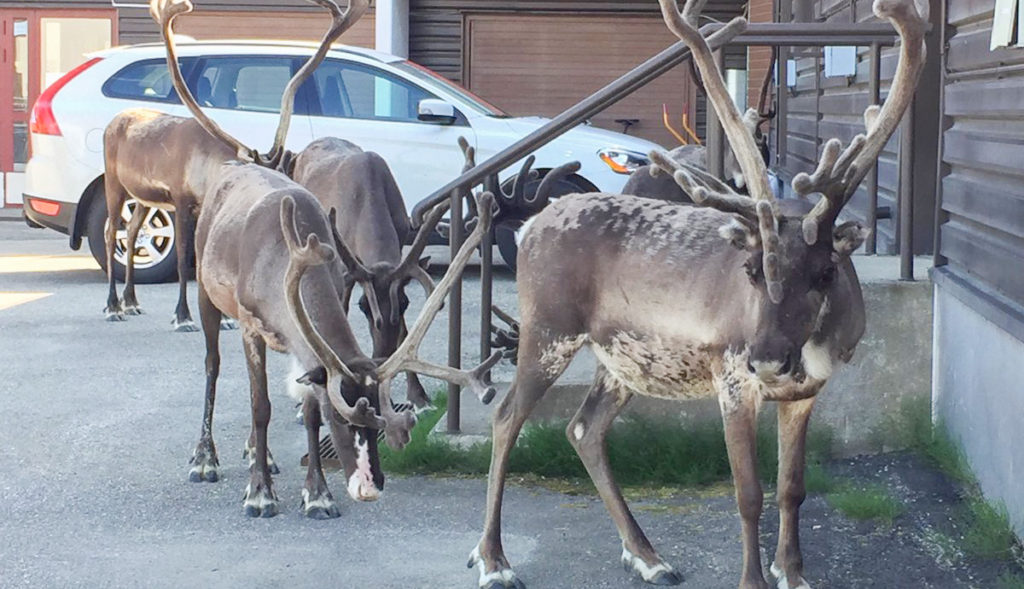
(423,74)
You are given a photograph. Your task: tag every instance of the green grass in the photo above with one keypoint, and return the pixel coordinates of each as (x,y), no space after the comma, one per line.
(989,534)
(866,502)
(642,452)
(1010,580)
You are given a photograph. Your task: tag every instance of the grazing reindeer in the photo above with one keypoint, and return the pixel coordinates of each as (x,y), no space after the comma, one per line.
(179,174)
(745,298)
(374,223)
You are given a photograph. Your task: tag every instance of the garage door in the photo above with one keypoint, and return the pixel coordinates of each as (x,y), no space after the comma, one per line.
(286,26)
(543,64)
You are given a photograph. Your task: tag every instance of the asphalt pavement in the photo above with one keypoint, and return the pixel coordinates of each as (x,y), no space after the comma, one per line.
(98,421)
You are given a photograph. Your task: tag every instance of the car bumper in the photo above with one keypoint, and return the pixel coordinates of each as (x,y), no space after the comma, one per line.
(52,214)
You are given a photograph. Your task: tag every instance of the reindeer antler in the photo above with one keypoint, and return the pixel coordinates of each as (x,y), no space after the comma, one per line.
(410,264)
(357,272)
(301,258)
(761,202)
(165,11)
(839,173)
(405,357)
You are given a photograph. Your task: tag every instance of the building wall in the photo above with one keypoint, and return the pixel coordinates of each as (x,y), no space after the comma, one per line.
(979,288)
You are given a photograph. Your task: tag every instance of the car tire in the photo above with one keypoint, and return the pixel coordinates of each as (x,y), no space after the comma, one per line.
(149,269)
(505,232)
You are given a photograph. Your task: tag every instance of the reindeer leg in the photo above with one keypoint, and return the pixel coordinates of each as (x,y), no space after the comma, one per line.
(361,486)
(249,452)
(788,566)
(183,231)
(129,302)
(586,432)
(204,460)
(260,499)
(532,381)
(317,501)
(739,413)
(115,201)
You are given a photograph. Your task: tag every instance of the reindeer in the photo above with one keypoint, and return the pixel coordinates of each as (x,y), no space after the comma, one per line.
(374,222)
(743,297)
(178,174)
(285,289)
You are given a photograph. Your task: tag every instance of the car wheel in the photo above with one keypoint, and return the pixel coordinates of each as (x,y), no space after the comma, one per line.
(155,257)
(505,232)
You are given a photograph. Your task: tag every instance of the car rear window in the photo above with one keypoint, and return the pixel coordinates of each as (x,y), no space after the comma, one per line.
(146,80)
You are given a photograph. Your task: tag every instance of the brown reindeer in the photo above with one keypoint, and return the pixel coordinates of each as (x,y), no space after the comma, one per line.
(745,298)
(178,175)
(261,259)
(375,224)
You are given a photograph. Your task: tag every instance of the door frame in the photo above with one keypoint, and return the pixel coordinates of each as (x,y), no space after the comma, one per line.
(34,16)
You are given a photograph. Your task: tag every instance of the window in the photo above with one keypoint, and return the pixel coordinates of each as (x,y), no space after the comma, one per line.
(145,80)
(1007,25)
(243,83)
(349,90)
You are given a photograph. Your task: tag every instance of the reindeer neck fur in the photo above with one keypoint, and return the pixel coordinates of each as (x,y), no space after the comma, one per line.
(160,159)
(371,213)
(660,296)
(242,264)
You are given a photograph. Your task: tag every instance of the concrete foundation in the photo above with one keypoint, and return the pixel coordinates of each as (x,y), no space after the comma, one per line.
(979,398)
(892,362)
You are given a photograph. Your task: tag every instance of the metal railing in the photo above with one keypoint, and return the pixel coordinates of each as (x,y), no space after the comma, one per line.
(873,35)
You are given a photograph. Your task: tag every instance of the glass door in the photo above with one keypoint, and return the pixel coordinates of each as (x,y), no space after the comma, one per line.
(37,48)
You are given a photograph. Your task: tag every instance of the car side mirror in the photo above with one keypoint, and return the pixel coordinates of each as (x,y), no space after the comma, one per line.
(434,110)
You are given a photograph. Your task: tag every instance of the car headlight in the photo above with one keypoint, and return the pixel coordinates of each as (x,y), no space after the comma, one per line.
(623,161)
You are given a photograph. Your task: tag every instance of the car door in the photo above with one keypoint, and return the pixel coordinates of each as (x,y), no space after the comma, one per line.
(377,111)
(242,93)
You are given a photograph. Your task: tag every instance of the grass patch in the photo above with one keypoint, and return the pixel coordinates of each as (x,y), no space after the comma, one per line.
(872,502)
(989,534)
(1010,580)
(643,452)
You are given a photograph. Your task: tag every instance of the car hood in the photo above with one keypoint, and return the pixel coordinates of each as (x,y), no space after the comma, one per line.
(585,135)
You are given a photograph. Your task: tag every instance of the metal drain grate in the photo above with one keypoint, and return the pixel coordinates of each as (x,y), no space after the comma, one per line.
(329,458)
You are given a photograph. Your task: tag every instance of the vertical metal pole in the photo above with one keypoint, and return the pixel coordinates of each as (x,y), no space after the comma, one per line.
(715,137)
(487,279)
(874,64)
(455,315)
(906,202)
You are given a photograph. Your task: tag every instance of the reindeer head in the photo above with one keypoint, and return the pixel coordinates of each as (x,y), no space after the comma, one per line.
(794,255)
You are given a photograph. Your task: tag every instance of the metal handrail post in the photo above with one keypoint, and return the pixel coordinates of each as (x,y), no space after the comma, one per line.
(455,315)
(714,134)
(874,94)
(906,203)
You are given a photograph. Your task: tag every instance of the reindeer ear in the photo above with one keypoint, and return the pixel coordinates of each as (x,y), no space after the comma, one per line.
(849,236)
(317,376)
(740,235)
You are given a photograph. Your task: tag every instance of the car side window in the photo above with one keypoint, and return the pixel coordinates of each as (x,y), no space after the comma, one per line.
(249,83)
(355,91)
(145,80)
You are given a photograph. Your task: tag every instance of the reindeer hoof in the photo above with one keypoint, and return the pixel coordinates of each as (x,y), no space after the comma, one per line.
(132,310)
(320,506)
(227,324)
(184,325)
(500,579)
(781,582)
(204,464)
(259,503)
(114,315)
(659,574)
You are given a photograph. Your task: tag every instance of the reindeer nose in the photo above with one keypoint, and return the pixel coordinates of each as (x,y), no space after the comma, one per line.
(770,368)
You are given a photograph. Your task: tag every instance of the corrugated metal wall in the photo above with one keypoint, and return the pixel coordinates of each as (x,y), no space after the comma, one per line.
(982,236)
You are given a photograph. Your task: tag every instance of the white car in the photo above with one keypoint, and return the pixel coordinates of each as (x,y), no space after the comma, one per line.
(408,114)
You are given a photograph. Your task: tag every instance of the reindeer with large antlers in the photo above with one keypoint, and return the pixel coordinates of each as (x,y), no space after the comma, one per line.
(374,222)
(179,174)
(745,297)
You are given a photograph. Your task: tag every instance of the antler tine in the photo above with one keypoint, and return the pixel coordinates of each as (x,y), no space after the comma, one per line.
(342,21)
(526,173)
(684,25)
(769,228)
(703,188)
(547,184)
(356,270)
(301,257)
(404,357)
(398,424)
(469,153)
(410,262)
(164,12)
